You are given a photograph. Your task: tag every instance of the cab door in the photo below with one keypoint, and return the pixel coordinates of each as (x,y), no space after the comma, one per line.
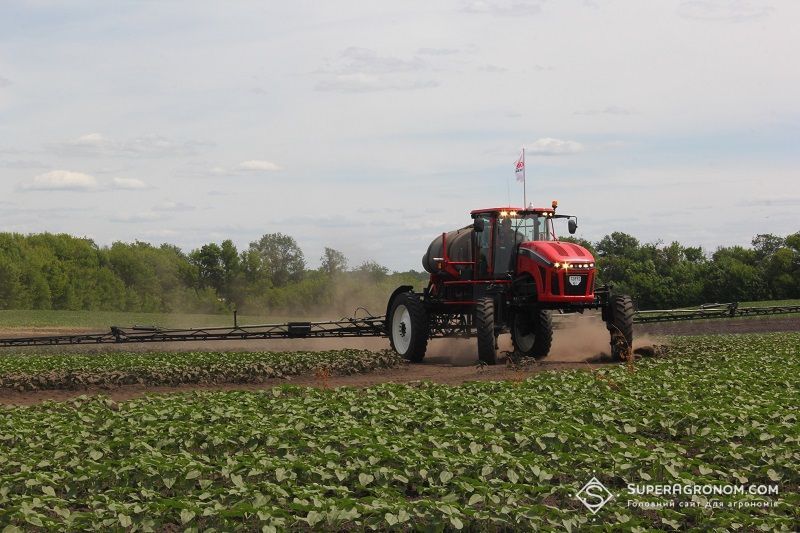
(483,246)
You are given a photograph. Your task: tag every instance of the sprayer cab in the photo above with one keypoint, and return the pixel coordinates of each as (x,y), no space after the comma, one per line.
(521,245)
(513,246)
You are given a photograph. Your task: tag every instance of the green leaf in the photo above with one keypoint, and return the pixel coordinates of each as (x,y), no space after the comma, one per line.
(671,470)
(674,524)
(313,517)
(124,520)
(35,520)
(193,474)
(445,476)
(773,475)
(513,477)
(186,516)
(456,522)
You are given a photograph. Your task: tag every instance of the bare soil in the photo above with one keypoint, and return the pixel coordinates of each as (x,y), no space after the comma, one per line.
(581,344)
(428,371)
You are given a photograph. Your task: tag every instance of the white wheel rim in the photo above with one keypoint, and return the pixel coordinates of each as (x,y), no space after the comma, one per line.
(524,342)
(401,329)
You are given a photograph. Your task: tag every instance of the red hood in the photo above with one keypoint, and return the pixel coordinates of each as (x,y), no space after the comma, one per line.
(559,252)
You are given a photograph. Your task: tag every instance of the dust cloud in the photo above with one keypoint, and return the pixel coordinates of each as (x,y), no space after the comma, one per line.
(579,337)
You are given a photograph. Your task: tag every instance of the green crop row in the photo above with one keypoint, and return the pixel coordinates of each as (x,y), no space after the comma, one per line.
(481,456)
(76,371)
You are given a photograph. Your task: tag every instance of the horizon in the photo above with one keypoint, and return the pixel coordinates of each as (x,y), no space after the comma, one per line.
(313,263)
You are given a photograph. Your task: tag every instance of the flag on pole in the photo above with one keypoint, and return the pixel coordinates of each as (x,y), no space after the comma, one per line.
(520,169)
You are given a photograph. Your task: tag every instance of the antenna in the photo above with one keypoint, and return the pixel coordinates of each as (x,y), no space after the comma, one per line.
(508,191)
(524,182)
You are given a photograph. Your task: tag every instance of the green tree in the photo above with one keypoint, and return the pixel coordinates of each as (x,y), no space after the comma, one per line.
(372,270)
(278,258)
(333,261)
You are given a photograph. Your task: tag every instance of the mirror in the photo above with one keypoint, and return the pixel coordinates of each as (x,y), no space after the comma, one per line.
(572,224)
(478,225)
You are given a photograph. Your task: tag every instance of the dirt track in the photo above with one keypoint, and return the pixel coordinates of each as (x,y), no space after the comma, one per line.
(448,361)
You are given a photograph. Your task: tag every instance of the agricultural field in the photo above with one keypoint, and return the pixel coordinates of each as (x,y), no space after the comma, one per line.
(101,320)
(75,371)
(507,455)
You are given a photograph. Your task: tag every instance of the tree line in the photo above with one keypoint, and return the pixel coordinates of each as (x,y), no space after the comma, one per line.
(59,271)
(672,275)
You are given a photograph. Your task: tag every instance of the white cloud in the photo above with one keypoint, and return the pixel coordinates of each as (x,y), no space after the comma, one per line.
(494,69)
(359,70)
(144,216)
(510,8)
(22,163)
(61,180)
(4,82)
(151,145)
(609,110)
(128,184)
(362,83)
(363,60)
(550,146)
(258,165)
(723,10)
(162,233)
(174,207)
(438,51)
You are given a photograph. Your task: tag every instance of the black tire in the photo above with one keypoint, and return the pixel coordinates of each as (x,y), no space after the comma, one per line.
(532,333)
(620,325)
(408,327)
(484,324)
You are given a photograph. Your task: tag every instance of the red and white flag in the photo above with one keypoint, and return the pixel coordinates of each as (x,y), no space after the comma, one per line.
(520,169)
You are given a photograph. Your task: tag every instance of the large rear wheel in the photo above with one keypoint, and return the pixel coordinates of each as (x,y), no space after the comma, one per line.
(620,326)
(532,333)
(408,327)
(484,324)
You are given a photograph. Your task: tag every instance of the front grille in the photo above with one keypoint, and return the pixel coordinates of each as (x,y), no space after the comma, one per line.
(575,289)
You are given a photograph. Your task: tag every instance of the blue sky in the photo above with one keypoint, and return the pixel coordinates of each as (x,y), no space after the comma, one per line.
(372,127)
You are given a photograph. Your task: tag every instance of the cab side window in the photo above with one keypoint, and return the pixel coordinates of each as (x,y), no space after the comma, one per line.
(483,242)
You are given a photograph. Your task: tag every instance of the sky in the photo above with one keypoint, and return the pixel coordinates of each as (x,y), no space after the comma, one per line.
(371,127)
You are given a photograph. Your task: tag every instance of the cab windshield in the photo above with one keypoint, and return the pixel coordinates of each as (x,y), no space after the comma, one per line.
(532,227)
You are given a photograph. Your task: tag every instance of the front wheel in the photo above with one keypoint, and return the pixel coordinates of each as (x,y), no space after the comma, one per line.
(532,333)
(408,327)
(620,326)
